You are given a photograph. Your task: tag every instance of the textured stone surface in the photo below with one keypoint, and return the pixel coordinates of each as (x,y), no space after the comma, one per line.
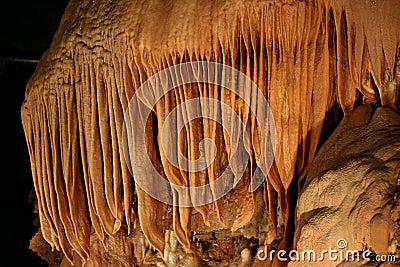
(310,59)
(352,190)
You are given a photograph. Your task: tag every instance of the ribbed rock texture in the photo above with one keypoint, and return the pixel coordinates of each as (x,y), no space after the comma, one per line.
(312,61)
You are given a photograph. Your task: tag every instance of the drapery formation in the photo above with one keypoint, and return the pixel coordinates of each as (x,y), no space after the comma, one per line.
(305,56)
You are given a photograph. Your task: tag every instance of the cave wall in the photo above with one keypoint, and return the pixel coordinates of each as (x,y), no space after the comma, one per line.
(308,58)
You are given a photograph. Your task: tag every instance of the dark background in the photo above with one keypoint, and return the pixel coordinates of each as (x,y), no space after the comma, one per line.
(26,31)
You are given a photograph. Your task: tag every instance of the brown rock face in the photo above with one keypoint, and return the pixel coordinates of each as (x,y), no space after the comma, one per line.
(309,60)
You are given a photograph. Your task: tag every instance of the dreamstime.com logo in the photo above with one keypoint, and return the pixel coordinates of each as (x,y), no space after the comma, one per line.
(338,254)
(143,103)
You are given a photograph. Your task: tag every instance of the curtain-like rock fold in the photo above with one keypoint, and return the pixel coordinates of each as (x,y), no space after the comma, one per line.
(305,56)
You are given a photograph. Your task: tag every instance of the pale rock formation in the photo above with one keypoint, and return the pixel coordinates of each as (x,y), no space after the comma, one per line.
(352,190)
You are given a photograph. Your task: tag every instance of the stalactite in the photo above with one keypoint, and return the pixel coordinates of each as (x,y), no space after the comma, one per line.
(101,54)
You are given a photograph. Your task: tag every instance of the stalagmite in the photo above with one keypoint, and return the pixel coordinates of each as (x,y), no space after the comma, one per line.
(362,187)
(307,58)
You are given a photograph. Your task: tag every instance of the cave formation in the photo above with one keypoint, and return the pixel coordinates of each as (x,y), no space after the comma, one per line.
(330,71)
